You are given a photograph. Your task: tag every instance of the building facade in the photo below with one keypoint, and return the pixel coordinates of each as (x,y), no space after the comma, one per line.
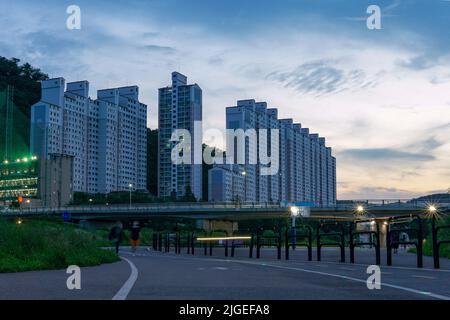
(306,168)
(251,115)
(19,179)
(56,180)
(106,137)
(179,108)
(226,184)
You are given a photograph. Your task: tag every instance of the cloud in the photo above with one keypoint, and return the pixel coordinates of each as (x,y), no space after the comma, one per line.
(379,192)
(321,78)
(159,49)
(428,145)
(384,154)
(417,63)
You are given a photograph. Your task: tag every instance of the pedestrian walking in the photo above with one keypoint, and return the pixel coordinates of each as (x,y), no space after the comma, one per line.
(116,235)
(135,235)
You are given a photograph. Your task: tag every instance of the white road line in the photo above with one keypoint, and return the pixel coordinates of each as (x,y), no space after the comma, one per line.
(424,277)
(348,269)
(391,267)
(122,294)
(428,294)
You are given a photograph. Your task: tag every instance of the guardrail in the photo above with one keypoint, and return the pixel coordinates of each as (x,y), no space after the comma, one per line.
(268,241)
(388,204)
(291,234)
(371,234)
(436,242)
(340,243)
(418,243)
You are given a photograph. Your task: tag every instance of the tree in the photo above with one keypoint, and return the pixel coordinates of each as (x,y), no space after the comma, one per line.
(27,91)
(188,195)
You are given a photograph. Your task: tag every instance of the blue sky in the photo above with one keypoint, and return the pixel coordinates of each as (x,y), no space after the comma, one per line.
(380,97)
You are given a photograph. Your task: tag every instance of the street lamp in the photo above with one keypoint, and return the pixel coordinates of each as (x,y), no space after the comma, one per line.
(360,209)
(432,210)
(29,204)
(244,173)
(130,186)
(295,211)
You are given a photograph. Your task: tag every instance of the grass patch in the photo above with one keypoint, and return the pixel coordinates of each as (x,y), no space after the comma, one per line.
(444,234)
(45,245)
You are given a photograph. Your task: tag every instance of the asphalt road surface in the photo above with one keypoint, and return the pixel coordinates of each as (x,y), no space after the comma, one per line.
(159,276)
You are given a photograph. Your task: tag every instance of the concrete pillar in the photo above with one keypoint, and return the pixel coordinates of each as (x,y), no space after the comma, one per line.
(383,232)
(214,225)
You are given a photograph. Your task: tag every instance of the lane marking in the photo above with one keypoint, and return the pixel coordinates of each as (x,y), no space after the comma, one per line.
(423,293)
(348,269)
(385,266)
(122,294)
(428,294)
(424,277)
(220,268)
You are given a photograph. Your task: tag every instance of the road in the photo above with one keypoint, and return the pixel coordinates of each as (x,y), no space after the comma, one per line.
(159,276)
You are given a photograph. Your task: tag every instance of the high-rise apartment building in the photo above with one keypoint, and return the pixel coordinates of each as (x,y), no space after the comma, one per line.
(251,115)
(106,137)
(180,108)
(306,168)
(226,184)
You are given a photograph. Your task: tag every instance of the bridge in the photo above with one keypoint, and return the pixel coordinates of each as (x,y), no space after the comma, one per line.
(377,209)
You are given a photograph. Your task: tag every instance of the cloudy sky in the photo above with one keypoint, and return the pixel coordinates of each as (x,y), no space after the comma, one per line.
(380,97)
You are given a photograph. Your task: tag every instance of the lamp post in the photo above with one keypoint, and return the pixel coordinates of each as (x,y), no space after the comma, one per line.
(130,186)
(294,214)
(360,209)
(432,210)
(244,173)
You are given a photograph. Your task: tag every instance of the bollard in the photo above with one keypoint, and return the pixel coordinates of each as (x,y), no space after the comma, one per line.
(342,245)
(419,244)
(258,246)
(309,244)
(377,248)
(251,247)
(232,248)
(155,241)
(286,242)
(226,248)
(352,248)
(279,246)
(160,242)
(388,246)
(318,244)
(434,231)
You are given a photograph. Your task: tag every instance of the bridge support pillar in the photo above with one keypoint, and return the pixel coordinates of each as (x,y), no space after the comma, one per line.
(214,225)
(383,234)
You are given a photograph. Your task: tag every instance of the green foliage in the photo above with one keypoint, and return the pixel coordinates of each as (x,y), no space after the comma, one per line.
(43,245)
(188,195)
(27,91)
(444,234)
